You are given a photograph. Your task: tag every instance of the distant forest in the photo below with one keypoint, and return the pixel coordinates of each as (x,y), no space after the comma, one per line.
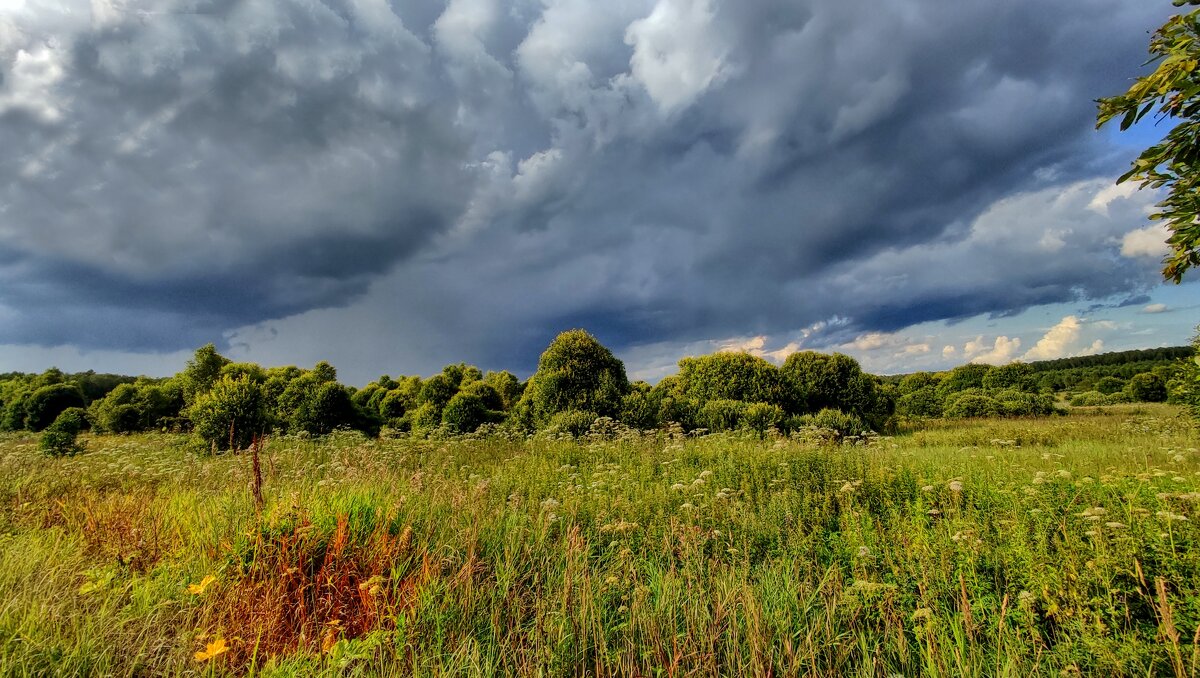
(579,388)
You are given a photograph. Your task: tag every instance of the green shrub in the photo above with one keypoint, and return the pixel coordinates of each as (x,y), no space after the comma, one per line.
(231,413)
(1110,385)
(575,373)
(722,415)
(466,412)
(731,377)
(922,402)
(842,423)
(762,417)
(1014,403)
(59,439)
(1096,398)
(45,404)
(966,405)
(1147,387)
(576,423)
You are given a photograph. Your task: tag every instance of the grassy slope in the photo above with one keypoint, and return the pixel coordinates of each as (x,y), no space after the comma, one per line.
(702,557)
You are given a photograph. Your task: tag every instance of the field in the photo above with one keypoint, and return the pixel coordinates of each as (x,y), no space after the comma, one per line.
(1058,546)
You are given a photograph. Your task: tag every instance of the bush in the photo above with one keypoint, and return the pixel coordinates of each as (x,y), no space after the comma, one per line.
(731,377)
(1110,385)
(1015,403)
(231,413)
(968,405)
(46,403)
(836,382)
(762,417)
(575,373)
(59,439)
(922,402)
(1096,398)
(1147,387)
(722,415)
(575,423)
(465,413)
(844,424)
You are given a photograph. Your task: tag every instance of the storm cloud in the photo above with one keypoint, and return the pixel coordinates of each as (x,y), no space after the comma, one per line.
(398,185)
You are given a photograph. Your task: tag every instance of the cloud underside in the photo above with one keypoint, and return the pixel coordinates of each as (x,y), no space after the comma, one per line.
(429,182)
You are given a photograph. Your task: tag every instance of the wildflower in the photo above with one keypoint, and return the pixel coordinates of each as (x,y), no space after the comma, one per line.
(934,512)
(847,488)
(1024,597)
(549,503)
(1063,473)
(705,474)
(956,486)
(927,488)
(214,649)
(199,589)
(678,487)
(687,506)
(863,551)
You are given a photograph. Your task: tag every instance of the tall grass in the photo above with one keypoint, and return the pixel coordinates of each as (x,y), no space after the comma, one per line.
(973,548)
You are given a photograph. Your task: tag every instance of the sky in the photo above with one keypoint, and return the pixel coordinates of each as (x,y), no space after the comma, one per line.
(394,186)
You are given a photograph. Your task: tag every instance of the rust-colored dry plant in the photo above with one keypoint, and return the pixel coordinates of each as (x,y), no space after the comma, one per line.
(303,590)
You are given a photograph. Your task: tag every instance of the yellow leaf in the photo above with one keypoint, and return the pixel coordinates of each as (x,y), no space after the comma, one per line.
(197,589)
(214,649)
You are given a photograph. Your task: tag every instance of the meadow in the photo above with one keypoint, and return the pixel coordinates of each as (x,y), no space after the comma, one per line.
(1051,546)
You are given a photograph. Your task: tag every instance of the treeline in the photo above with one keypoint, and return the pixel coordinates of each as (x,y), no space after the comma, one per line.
(579,386)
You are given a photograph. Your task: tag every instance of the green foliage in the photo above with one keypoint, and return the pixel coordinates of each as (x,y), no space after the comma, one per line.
(921,402)
(507,385)
(837,382)
(59,438)
(1147,387)
(575,423)
(731,376)
(971,404)
(327,408)
(46,403)
(917,381)
(202,372)
(1017,376)
(962,378)
(640,408)
(575,373)
(844,424)
(438,390)
(1173,92)
(722,415)
(140,406)
(466,412)
(1096,398)
(1016,403)
(1110,385)
(762,417)
(230,414)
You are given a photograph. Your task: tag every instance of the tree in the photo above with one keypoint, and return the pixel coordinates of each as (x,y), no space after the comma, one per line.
(202,371)
(1147,387)
(230,413)
(46,403)
(575,373)
(1174,163)
(834,382)
(732,376)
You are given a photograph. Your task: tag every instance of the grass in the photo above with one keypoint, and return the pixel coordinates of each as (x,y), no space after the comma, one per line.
(1013,548)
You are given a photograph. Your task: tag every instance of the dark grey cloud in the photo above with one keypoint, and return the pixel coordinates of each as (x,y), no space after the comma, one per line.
(463,179)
